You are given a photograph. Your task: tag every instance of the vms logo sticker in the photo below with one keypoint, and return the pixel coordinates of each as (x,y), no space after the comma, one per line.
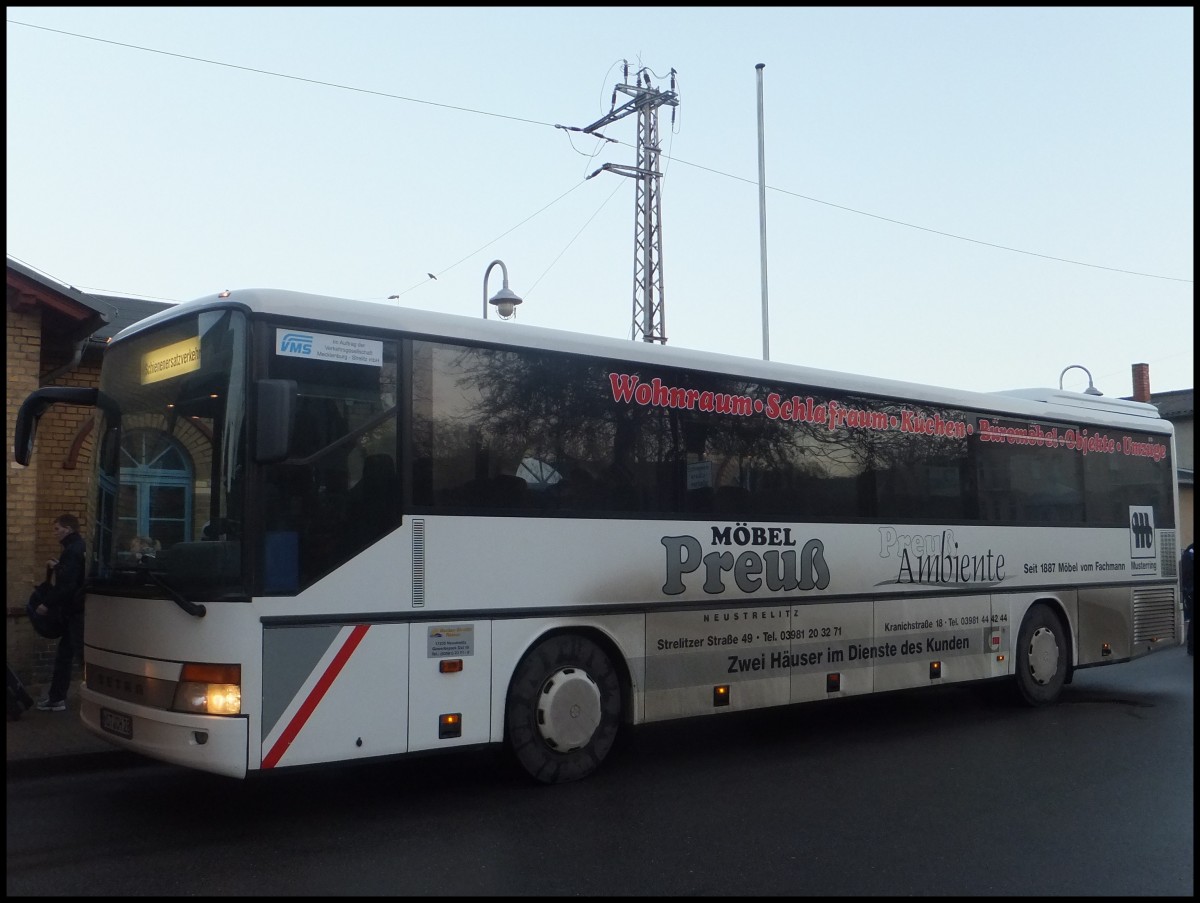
(295,343)
(1141,532)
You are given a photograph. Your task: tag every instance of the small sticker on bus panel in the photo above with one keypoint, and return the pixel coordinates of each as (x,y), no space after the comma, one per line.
(321,347)
(444,642)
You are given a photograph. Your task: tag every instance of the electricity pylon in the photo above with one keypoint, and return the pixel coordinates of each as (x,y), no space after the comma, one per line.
(649,307)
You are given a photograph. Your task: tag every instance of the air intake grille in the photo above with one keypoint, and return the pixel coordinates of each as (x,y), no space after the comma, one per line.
(1153,614)
(1168,553)
(418,572)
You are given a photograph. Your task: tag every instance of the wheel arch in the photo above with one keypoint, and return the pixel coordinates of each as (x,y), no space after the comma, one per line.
(601,638)
(1059,607)
(1043,652)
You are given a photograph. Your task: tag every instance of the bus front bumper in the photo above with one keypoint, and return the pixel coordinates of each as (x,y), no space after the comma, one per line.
(204,742)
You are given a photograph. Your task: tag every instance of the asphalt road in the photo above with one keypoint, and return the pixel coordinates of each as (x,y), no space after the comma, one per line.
(947,792)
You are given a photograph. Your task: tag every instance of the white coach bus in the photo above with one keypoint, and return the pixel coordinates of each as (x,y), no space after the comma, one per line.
(325,530)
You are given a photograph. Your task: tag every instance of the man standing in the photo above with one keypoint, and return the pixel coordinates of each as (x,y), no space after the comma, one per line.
(65,596)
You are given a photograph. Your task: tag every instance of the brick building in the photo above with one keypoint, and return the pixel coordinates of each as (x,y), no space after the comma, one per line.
(55,335)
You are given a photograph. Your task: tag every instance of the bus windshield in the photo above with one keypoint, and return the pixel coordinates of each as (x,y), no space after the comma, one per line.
(170,461)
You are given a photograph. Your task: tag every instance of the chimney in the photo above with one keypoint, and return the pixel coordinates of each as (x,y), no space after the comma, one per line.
(1141,382)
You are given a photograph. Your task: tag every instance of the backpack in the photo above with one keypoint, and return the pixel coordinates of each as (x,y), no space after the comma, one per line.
(49,625)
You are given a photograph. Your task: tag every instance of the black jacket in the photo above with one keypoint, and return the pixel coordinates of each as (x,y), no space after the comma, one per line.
(66,594)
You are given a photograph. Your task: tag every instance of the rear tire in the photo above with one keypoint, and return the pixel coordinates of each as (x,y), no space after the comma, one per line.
(563,709)
(1042,656)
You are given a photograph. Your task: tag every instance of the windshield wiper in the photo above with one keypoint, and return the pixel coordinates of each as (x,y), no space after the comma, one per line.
(196,609)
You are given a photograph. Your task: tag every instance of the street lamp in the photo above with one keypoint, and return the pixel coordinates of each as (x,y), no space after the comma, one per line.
(505,300)
(1090,390)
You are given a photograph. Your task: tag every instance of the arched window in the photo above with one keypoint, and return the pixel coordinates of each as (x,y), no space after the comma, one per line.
(156,487)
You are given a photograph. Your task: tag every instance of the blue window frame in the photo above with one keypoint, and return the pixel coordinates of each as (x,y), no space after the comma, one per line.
(156,487)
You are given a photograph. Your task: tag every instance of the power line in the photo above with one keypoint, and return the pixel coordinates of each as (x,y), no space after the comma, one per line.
(529,291)
(897,222)
(297,78)
(89,289)
(669,158)
(494,240)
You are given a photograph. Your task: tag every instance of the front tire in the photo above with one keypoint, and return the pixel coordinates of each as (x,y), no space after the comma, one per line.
(563,709)
(1042,656)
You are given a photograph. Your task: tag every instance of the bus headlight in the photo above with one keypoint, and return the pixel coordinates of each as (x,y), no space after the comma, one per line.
(209,689)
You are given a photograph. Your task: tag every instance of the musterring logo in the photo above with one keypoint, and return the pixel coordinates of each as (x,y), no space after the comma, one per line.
(780,566)
(296,343)
(938,560)
(1142,528)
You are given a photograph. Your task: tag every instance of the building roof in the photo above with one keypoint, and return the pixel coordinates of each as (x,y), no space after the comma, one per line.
(1174,404)
(76,314)
(80,314)
(125,312)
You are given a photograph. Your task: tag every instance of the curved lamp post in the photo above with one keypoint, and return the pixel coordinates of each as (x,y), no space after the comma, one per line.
(506,301)
(1090,390)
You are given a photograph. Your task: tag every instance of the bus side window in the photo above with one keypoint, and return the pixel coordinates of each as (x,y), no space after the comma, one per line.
(422,481)
(374,500)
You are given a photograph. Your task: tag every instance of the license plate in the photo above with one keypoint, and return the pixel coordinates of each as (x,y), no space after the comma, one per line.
(116,723)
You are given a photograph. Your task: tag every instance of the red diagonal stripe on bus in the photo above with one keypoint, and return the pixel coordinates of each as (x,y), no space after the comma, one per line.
(314,698)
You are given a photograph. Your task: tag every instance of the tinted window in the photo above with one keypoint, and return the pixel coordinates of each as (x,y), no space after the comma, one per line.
(339,491)
(525,431)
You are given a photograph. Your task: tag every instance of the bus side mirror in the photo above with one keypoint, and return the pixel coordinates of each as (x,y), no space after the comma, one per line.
(276,414)
(35,405)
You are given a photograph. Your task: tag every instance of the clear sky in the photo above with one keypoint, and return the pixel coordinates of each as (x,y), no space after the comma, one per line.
(971,197)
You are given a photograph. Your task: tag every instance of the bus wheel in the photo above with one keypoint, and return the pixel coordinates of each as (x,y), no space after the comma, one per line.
(563,709)
(1041,657)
